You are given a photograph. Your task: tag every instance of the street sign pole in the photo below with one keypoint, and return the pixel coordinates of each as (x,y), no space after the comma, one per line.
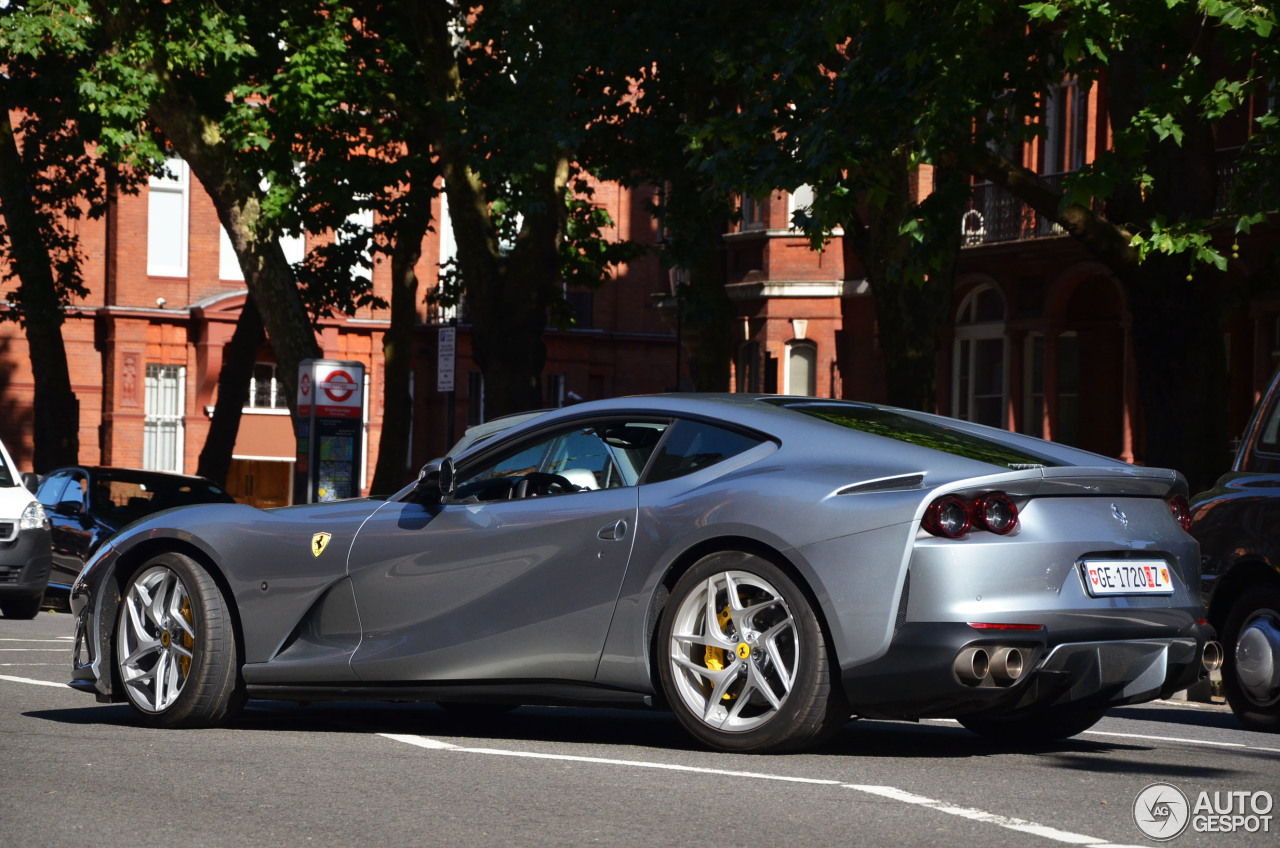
(446,360)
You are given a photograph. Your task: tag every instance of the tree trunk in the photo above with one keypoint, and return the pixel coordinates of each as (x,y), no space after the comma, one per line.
(397,344)
(233,392)
(912,284)
(56,431)
(237,198)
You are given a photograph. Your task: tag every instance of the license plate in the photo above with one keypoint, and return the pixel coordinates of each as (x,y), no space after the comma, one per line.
(1127,577)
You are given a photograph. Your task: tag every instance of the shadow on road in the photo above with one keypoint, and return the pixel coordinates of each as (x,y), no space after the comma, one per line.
(624,729)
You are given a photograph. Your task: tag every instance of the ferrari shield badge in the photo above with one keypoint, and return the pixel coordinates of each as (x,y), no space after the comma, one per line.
(319,542)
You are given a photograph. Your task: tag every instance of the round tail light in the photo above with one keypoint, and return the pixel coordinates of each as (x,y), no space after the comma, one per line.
(948,517)
(1181,511)
(996,512)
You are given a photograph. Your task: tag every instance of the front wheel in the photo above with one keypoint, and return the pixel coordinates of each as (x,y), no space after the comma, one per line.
(743,659)
(21,608)
(175,645)
(1034,728)
(1251,661)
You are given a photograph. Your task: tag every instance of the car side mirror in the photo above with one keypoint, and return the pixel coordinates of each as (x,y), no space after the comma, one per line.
(31,481)
(447,478)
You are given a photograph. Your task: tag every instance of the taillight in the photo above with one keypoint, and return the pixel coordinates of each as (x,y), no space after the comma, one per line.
(951,516)
(1181,511)
(996,512)
(948,517)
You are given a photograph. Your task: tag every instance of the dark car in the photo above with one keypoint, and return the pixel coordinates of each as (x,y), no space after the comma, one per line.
(764,566)
(88,505)
(1238,526)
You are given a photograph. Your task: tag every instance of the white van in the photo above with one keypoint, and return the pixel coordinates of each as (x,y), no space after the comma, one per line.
(25,544)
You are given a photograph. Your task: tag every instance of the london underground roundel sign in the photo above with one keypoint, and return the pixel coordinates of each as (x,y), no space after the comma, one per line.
(338,387)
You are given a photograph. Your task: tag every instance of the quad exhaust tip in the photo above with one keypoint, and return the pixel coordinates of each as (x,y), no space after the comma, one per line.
(972,665)
(1212,656)
(1005,666)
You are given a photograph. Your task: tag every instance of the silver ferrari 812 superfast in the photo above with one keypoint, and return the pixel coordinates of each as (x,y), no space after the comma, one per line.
(765,567)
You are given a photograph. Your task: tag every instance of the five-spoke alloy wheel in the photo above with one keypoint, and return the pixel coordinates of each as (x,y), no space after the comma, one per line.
(743,659)
(175,648)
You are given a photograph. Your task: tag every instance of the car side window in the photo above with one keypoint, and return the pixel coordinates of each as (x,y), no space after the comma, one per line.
(49,492)
(585,457)
(694,445)
(1269,438)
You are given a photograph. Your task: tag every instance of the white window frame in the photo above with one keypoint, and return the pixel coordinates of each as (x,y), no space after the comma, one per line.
(164,405)
(792,347)
(968,334)
(277,403)
(160,221)
(801,198)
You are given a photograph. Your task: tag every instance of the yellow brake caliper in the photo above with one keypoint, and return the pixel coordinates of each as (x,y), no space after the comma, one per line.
(188,641)
(715,657)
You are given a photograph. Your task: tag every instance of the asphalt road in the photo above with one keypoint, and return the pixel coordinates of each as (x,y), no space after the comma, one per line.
(78,773)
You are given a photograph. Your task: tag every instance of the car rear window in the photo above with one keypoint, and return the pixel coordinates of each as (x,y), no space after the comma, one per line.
(905,428)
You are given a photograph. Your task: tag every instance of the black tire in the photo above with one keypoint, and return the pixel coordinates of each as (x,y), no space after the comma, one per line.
(21,608)
(779,640)
(175,647)
(1256,704)
(1033,727)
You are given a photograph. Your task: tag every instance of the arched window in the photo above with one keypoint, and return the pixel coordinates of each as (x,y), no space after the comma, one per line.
(979,373)
(802,368)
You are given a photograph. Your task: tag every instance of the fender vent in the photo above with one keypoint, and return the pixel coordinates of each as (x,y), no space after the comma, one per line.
(885,484)
(902,604)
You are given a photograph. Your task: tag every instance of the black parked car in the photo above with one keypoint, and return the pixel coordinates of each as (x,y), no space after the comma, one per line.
(88,505)
(1238,526)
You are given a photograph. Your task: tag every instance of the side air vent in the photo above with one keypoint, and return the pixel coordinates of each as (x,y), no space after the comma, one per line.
(902,604)
(902,482)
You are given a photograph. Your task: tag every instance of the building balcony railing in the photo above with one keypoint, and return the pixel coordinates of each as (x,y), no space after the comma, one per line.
(994,215)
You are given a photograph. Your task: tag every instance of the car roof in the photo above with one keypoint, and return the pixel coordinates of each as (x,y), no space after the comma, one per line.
(770,415)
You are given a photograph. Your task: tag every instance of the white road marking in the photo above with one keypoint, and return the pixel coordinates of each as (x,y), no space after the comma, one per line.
(889,792)
(57,641)
(1020,825)
(33,682)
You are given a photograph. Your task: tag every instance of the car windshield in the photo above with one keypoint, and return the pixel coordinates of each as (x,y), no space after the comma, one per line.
(916,431)
(7,476)
(121,497)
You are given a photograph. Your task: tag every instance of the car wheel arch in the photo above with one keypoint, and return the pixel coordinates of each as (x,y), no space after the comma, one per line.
(135,559)
(1243,576)
(725,544)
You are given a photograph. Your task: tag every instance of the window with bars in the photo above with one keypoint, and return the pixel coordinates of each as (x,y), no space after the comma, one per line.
(162,430)
(265,392)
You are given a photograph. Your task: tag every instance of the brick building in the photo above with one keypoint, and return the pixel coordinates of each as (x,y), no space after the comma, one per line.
(145,346)
(1039,338)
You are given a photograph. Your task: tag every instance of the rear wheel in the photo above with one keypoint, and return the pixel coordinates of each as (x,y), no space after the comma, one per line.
(175,645)
(743,659)
(1031,728)
(1251,661)
(24,608)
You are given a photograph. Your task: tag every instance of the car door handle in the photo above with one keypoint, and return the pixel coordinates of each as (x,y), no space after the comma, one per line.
(615,531)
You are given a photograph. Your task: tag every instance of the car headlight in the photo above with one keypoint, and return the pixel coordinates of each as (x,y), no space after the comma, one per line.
(33,517)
